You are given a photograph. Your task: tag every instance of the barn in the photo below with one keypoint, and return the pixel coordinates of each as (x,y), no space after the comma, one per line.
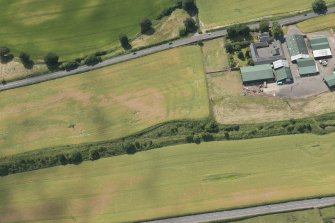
(307,67)
(297,47)
(257,74)
(320,47)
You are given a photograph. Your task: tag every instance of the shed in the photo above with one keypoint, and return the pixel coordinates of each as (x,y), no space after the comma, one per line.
(297,47)
(307,67)
(330,80)
(258,73)
(320,47)
(283,75)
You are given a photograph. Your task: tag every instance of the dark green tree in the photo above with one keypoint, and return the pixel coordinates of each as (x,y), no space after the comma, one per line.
(264,26)
(51,60)
(277,30)
(26,60)
(5,55)
(190,7)
(92,60)
(146,26)
(229,47)
(71,65)
(319,6)
(124,40)
(190,25)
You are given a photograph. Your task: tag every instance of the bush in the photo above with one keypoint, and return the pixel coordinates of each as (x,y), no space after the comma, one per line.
(264,26)
(124,41)
(251,62)
(212,127)
(75,158)
(229,47)
(72,65)
(129,148)
(190,25)
(240,55)
(196,139)
(237,47)
(190,7)
(248,53)
(62,159)
(92,60)
(5,55)
(277,30)
(146,26)
(238,30)
(207,137)
(51,60)
(3,170)
(94,155)
(183,32)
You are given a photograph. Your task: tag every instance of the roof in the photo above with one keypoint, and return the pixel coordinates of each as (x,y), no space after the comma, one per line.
(283,74)
(280,63)
(330,80)
(319,43)
(307,66)
(256,73)
(322,53)
(296,45)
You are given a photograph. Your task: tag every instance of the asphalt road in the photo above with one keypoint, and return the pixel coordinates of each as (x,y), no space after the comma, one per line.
(144,52)
(252,211)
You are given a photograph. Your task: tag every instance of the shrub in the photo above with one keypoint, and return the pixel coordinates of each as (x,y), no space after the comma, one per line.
(72,65)
(207,137)
(196,139)
(237,47)
(264,26)
(5,55)
(229,47)
(251,62)
(94,155)
(62,159)
(277,30)
(51,60)
(75,158)
(92,60)
(146,26)
(212,127)
(240,55)
(3,170)
(248,53)
(183,32)
(129,148)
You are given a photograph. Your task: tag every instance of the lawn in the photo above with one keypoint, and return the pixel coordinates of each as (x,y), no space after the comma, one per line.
(215,13)
(324,22)
(72,28)
(230,106)
(174,180)
(214,55)
(104,104)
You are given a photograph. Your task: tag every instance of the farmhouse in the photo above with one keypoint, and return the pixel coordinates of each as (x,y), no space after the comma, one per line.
(320,47)
(330,80)
(258,73)
(297,47)
(307,67)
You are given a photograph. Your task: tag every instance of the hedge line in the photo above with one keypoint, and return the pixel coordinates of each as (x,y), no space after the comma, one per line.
(161,135)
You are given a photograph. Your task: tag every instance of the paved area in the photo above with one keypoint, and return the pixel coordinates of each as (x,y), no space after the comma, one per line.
(252,211)
(151,50)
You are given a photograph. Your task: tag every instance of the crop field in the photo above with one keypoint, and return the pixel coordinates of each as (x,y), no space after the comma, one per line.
(174,180)
(104,104)
(230,106)
(215,13)
(214,55)
(72,28)
(324,22)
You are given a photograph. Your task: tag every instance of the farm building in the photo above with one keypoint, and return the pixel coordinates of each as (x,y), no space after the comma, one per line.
(330,80)
(283,75)
(297,47)
(265,52)
(320,47)
(258,73)
(307,67)
(280,63)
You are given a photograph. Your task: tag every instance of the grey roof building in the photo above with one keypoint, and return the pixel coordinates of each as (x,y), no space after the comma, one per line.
(265,53)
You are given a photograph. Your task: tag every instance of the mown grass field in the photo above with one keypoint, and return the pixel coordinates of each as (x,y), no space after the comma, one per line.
(104,104)
(214,55)
(324,22)
(72,28)
(174,180)
(215,13)
(230,106)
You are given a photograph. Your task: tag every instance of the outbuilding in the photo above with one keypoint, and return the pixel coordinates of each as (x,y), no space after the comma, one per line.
(320,47)
(297,47)
(283,75)
(307,67)
(257,74)
(330,80)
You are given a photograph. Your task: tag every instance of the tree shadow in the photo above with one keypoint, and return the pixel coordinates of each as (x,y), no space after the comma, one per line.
(127,46)
(149,32)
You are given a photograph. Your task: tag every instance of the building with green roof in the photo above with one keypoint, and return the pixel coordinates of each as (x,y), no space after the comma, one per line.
(307,67)
(297,47)
(283,75)
(320,47)
(257,73)
(330,80)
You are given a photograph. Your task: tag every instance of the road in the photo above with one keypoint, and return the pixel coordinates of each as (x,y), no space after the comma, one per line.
(252,211)
(144,52)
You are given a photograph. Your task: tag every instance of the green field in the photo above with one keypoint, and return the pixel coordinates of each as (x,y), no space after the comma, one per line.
(214,55)
(72,28)
(324,22)
(215,13)
(104,104)
(174,180)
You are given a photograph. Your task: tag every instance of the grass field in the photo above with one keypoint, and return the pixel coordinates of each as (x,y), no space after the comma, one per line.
(230,106)
(215,13)
(72,28)
(324,22)
(174,180)
(107,103)
(214,55)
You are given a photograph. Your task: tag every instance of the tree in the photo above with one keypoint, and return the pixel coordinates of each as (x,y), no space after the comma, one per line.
(129,148)
(240,55)
(71,65)
(51,60)
(26,61)
(229,47)
(94,155)
(190,7)
(75,158)
(92,60)
(183,32)
(319,6)
(238,30)
(124,40)
(264,26)
(196,139)
(190,25)
(5,55)
(146,26)
(277,30)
